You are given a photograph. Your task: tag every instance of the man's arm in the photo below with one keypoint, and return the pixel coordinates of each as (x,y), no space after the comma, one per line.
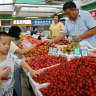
(90,33)
(28,68)
(58,38)
(23,51)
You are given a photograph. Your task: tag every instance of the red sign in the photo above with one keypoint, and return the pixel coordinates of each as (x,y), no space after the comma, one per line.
(93,13)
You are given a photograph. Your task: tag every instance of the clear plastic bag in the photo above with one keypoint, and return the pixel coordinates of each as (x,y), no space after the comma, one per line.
(26,43)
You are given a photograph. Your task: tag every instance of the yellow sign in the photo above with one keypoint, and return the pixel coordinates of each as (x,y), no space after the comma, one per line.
(0,23)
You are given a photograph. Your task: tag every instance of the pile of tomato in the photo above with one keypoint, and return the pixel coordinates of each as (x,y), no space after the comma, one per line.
(38,51)
(63,42)
(32,40)
(72,78)
(45,61)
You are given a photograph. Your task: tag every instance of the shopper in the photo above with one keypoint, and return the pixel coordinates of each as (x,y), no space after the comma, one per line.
(12,61)
(4,72)
(80,25)
(33,31)
(14,32)
(56,27)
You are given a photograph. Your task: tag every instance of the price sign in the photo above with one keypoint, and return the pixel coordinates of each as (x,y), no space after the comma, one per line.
(53,51)
(50,51)
(77,52)
(84,52)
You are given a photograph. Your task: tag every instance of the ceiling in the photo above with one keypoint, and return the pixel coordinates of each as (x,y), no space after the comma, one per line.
(36,8)
(30,10)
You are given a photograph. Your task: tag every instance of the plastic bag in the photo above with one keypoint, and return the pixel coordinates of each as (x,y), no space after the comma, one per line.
(26,43)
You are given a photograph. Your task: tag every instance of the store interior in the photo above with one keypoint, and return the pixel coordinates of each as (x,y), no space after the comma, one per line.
(38,16)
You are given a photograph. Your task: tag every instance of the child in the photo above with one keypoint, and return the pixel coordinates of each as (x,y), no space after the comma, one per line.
(12,61)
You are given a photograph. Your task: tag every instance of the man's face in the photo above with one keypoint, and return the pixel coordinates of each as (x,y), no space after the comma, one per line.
(71,14)
(5,44)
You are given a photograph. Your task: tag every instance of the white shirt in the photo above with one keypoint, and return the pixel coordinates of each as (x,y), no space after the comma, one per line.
(13,47)
(14,62)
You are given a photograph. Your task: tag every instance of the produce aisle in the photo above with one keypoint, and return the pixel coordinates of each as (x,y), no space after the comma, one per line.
(67,65)
(53,47)
(25,90)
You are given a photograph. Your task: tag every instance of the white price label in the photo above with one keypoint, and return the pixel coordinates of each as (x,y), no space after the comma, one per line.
(53,51)
(50,51)
(84,52)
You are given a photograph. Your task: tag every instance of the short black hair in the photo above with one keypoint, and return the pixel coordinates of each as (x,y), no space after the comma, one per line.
(14,31)
(69,5)
(56,15)
(2,33)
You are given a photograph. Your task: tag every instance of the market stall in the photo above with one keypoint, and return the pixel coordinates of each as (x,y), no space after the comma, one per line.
(63,66)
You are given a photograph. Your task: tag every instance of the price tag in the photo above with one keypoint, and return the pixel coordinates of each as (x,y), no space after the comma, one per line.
(50,51)
(53,51)
(84,52)
(57,52)
(77,52)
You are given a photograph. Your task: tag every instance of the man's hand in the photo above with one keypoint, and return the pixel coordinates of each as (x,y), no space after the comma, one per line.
(5,71)
(49,42)
(35,73)
(75,38)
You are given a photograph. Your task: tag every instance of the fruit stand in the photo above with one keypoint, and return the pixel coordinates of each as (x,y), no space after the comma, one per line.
(66,74)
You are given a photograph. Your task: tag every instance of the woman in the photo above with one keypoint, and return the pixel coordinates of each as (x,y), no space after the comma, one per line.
(56,27)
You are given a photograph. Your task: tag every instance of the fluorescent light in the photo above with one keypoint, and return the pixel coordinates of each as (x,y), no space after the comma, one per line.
(59,13)
(47,8)
(31,17)
(14,13)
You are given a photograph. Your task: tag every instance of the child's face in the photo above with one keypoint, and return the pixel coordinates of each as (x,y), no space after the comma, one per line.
(5,44)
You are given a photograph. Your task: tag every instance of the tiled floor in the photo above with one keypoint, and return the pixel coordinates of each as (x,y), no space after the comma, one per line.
(25,89)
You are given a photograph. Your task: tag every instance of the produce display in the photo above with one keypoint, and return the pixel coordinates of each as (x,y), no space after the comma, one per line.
(38,51)
(62,42)
(33,40)
(72,78)
(69,48)
(45,61)
(93,51)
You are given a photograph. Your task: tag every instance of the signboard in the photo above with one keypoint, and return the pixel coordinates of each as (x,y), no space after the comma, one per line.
(42,22)
(53,51)
(22,22)
(93,13)
(0,23)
